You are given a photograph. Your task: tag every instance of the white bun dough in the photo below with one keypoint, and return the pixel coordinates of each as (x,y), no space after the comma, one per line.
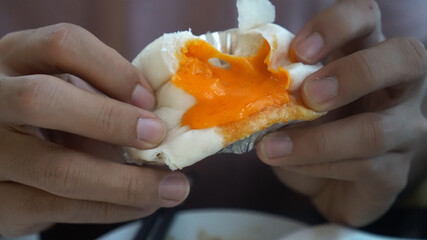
(159,61)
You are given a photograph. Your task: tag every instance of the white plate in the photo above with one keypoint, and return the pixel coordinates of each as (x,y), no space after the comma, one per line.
(230,224)
(234,224)
(224,224)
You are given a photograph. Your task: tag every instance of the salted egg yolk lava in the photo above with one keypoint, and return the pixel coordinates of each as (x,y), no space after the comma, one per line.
(228,94)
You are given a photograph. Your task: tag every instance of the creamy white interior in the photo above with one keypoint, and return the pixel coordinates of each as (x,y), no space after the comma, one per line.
(299,72)
(182,147)
(172,103)
(159,61)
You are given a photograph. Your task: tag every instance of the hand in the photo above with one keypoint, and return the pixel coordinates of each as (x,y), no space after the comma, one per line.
(353,162)
(70,179)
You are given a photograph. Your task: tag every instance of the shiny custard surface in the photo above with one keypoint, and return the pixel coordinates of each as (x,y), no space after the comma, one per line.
(229,93)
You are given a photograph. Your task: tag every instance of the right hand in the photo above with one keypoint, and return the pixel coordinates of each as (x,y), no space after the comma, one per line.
(354,162)
(71,178)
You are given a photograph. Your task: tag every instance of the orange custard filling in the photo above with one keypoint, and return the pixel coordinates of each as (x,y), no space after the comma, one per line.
(225,95)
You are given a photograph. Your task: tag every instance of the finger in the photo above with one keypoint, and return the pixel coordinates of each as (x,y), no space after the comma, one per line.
(344,22)
(301,183)
(44,101)
(78,82)
(389,170)
(28,207)
(75,175)
(67,48)
(360,136)
(393,62)
(86,145)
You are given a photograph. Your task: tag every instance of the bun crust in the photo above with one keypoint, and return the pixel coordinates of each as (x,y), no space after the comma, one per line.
(183,146)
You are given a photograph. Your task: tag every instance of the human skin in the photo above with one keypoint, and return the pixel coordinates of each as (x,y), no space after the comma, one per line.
(66,174)
(68,179)
(353,162)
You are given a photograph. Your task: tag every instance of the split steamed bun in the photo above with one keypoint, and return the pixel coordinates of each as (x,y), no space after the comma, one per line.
(209,100)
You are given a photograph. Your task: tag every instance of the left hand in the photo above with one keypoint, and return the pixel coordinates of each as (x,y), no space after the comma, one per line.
(58,139)
(354,161)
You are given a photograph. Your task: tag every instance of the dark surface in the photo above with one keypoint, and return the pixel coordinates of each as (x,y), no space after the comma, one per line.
(401,222)
(243,182)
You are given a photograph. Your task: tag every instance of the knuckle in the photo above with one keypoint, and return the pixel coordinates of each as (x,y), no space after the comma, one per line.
(106,117)
(57,39)
(370,75)
(60,177)
(26,98)
(322,143)
(135,192)
(417,54)
(374,135)
(131,189)
(34,93)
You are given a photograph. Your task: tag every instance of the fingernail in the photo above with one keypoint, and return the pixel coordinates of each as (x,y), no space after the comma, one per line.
(150,130)
(174,188)
(276,145)
(142,98)
(321,90)
(309,48)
